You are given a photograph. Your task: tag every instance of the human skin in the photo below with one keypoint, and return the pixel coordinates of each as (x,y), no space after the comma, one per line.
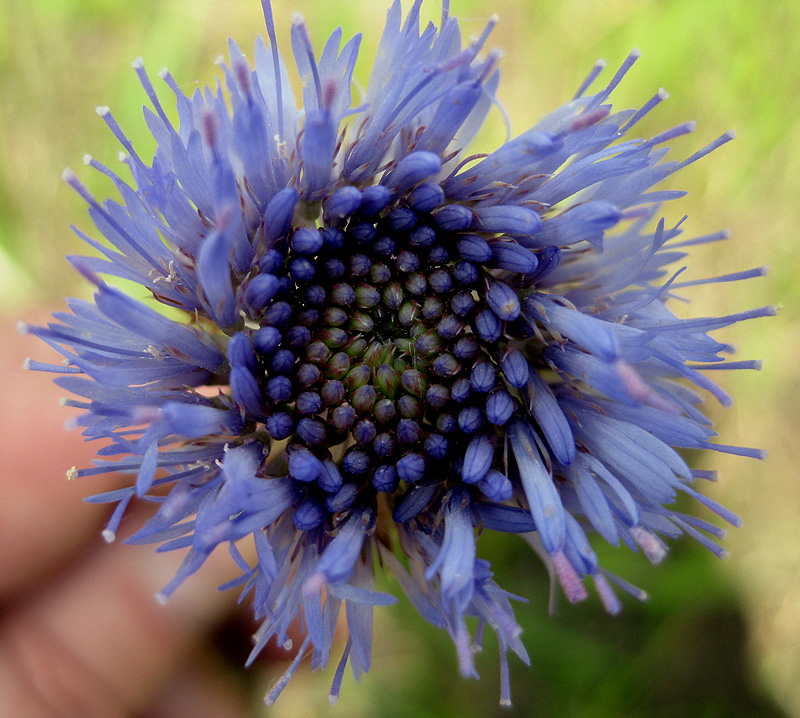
(81,633)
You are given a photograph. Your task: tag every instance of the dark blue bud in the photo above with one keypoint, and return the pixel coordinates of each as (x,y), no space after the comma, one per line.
(385,478)
(440,281)
(499,407)
(466,348)
(503,301)
(314,294)
(426,197)
(461,390)
(240,352)
(393,295)
(330,478)
(416,284)
(413,381)
(343,499)
(364,432)
(307,374)
(281,362)
(436,447)
(384,445)
(411,170)
(513,257)
(309,515)
(343,294)
(367,296)
(510,219)
(406,261)
(487,325)
(474,248)
(308,317)
(261,291)
(408,432)
(379,273)
(428,343)
(453,218)
(446,423)
(270,262)
(411,467)
(363,398)
(309,402)
(422,237)
(285,287)
(383,247)
(432,307)
(463,303)
(361,233)
(446,365)
(374,199)
(332,392)
(332,238)
(334,268)
(437,396)
(438,254)
(303,465)
(306,241)
(465,273)
(343,417)
(515,368)
(297,337)
(317,353)
(313,431)
(360,264)
(279,388)
(408,313)
(342,203)
(356,462)
(496,486)
(279,215)
(333,337)
(302,269)
(549,259)
(384,411)
(334,316)
(280,426)
(477,459)
(409,407)
(470,419)
(402,220)
(338,365)
(277,315)
(450,326)
(415,502)
(483,377)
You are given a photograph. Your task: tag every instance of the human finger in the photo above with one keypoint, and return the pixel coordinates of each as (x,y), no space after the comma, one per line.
(97,644)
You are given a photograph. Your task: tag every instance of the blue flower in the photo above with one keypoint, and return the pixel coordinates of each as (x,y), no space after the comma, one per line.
(378,345)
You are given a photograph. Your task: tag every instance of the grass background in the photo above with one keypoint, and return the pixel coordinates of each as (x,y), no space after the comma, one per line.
(716,638)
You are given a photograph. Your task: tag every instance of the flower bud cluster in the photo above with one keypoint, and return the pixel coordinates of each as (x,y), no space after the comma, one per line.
(373,345)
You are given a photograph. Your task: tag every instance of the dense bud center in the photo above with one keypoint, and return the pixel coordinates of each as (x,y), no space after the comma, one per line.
(371,342)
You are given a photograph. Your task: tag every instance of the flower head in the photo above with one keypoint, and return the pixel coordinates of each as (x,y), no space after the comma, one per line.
(377,344)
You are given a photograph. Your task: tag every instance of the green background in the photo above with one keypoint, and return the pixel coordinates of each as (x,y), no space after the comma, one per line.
(716,638)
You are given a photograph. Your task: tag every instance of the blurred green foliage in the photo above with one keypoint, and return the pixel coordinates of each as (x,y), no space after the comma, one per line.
(713,640)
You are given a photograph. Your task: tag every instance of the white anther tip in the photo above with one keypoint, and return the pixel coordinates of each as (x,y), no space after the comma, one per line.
(103,110)
(138,63)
